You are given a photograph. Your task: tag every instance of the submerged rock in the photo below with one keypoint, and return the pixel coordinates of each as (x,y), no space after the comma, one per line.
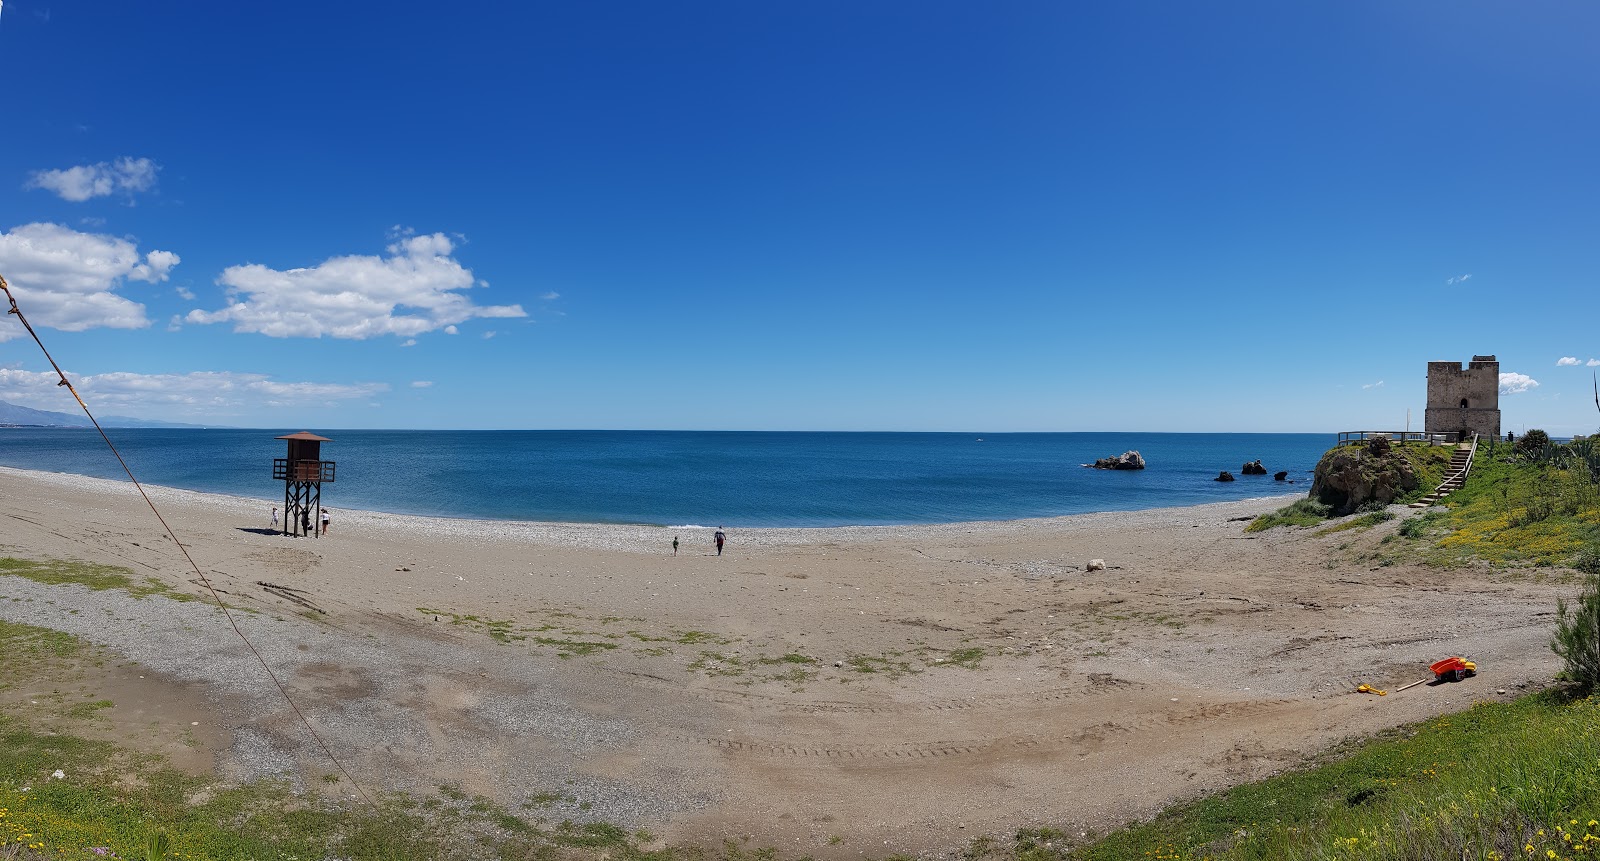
(1280,475)
(1225,476)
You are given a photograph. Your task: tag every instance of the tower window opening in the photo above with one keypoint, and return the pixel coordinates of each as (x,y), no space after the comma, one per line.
(1463,403)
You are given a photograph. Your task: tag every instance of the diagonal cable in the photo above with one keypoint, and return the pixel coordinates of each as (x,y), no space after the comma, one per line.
(206,581)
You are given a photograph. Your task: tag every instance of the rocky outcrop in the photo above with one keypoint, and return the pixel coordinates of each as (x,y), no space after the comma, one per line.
(1127,460)
(1280,475)
(1225,476)
(1372,472)
(1253,468)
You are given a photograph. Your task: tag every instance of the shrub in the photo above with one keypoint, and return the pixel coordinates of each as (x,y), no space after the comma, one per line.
(1304,512)
(1532,443)
(1416,527)
(1577,637)
(1588,560)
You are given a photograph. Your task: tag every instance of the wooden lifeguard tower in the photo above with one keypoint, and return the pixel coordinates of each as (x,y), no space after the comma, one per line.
(302,474)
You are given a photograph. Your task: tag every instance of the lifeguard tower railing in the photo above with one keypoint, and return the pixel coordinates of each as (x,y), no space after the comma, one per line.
(1349,437)
(316,471)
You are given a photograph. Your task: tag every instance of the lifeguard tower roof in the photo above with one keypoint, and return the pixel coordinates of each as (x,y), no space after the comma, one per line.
(305,435)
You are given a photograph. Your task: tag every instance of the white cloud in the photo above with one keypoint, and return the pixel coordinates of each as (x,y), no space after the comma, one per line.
(551,296)
(1514,384)
(489,334)
(1458,279)
(65,279)
(1566,360)
(103,179)
(1593,363)
(184,293)
(1377,385)
(451,330)
(197,394)
(421,384)
(409,342)
(415,289)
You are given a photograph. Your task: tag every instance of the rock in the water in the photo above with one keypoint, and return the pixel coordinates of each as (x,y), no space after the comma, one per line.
(1127,460)
(1097,565)
(1225,476)
(1253,468)
(1351,476)
(1280,475)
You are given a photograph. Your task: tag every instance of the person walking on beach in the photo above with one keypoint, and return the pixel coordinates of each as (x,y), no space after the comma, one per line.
(274,517)
(325,518)
(305,522)
(674,545)
(720,537)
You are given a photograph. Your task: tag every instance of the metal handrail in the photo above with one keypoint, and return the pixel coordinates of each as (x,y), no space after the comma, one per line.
(1352,437)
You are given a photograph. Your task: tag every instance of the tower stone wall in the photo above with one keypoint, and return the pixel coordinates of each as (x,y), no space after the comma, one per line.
(1464,400)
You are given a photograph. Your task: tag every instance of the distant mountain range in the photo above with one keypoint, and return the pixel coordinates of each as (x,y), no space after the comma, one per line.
(12,415)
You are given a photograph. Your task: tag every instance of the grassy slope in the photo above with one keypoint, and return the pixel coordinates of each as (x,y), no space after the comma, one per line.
(1490,782)
(1429,462)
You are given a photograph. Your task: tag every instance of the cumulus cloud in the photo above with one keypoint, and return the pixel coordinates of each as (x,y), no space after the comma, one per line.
(1566,360)
(1594,363)
(67,280)
(1458,279)
(550,296)
(77,184)
(1514,384)
(1377,385)
(196,394)
(417,288)
(421,384)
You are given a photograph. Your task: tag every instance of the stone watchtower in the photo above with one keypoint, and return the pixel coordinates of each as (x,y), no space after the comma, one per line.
(1464,401)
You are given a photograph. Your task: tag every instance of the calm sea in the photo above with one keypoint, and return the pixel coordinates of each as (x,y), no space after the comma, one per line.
(700,478)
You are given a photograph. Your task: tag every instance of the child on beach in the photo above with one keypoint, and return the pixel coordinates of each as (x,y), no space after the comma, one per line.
(674,545)
(274,517)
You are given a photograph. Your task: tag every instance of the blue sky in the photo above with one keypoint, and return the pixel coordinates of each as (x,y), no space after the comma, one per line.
(1032,216)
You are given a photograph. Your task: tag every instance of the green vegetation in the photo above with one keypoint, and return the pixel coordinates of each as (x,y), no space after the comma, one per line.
(1363,521)
(1523,504)
(54,572)
(1301,512)
(1429,463)
(1538,508)
(1577,636)
(1498,781)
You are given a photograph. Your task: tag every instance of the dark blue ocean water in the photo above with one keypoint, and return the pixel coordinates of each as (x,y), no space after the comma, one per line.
(699,478)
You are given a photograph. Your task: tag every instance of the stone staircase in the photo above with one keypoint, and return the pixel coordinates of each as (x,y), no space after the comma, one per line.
(1455,475)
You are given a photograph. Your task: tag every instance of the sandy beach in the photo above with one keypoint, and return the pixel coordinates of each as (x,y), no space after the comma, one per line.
(831,692)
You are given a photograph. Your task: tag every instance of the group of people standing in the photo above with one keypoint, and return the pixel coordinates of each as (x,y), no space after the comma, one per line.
(306,526)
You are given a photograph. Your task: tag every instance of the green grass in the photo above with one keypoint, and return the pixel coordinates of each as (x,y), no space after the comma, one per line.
(968,658)
(56,572)
(1515,511)
(1480,784)
(1302,512)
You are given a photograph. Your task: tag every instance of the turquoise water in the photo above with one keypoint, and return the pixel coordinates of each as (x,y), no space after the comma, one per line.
(699,478)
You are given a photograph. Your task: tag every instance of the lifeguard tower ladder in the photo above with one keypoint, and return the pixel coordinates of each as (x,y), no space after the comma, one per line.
(302,472)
